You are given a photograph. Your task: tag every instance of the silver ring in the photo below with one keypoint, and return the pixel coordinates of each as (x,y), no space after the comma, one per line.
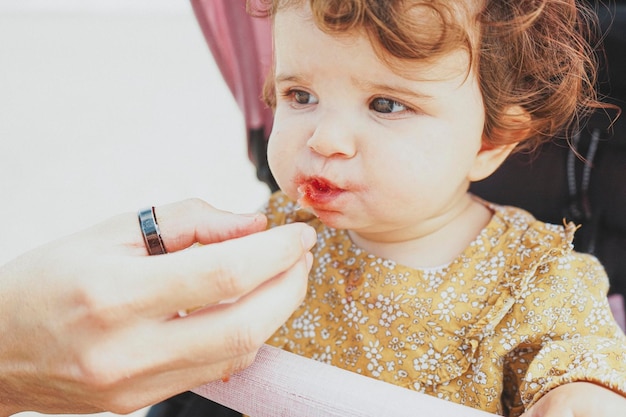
(150,230)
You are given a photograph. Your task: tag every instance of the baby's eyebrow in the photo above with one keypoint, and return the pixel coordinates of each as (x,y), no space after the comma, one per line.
(288,78)
(390,89)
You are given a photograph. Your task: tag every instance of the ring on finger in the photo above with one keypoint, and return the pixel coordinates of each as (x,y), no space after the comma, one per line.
(150,231)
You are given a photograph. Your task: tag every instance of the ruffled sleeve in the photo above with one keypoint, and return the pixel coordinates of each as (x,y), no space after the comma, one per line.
(571,334)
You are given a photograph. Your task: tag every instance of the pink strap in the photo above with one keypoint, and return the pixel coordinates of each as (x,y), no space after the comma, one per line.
(242,48)
(280,383)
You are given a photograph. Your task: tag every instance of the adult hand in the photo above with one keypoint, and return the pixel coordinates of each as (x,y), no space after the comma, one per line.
(579,399)
(89,323)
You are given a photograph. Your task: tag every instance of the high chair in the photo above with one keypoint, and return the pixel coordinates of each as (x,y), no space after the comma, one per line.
(579,181)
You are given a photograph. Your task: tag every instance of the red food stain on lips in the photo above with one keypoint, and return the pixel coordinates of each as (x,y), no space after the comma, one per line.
(317,192)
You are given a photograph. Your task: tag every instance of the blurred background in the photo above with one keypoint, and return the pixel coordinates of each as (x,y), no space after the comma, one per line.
(107,106)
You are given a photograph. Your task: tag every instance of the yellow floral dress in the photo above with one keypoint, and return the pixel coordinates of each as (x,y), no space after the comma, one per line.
(515,315)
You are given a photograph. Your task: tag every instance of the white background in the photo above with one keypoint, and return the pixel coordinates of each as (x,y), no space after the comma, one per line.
(107,106)
(107,109)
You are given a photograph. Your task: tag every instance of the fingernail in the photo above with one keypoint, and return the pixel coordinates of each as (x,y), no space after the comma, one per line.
(309,237)
(254,217)
(251,215)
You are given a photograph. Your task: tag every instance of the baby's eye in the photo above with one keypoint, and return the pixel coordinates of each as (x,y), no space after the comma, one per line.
(386,105)
(302,97)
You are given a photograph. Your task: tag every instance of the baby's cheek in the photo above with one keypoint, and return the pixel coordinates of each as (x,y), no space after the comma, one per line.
(277,162)
(284,174)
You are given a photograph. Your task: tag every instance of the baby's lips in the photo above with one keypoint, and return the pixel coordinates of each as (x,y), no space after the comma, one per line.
(302,200)
(314,189)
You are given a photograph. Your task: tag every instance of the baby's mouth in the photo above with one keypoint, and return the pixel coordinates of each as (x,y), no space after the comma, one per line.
(316,191)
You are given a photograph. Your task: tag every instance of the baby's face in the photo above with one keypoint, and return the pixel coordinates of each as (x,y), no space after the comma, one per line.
(365,147)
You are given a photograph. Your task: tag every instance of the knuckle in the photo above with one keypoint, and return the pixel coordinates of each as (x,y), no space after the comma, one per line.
(98,307)
(246,360)
(97,374)
(187,209)
(194,205)
(242,362)
(227,368)
(244,342)
(225,280)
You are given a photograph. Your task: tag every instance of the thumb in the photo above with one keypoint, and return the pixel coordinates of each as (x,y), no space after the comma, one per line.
(193,221)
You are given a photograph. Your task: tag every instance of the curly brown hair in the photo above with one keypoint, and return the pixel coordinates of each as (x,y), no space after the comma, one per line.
(535,54)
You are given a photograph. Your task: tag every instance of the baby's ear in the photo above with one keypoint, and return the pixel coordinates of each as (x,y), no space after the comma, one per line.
(490,157)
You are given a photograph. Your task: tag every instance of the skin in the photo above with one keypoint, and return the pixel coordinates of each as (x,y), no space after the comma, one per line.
(400,151)
(388,154)
(89,323)
(579,399)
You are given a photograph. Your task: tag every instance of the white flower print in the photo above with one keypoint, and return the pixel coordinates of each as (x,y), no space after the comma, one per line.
(514,299)
(304,325)
(373,354)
